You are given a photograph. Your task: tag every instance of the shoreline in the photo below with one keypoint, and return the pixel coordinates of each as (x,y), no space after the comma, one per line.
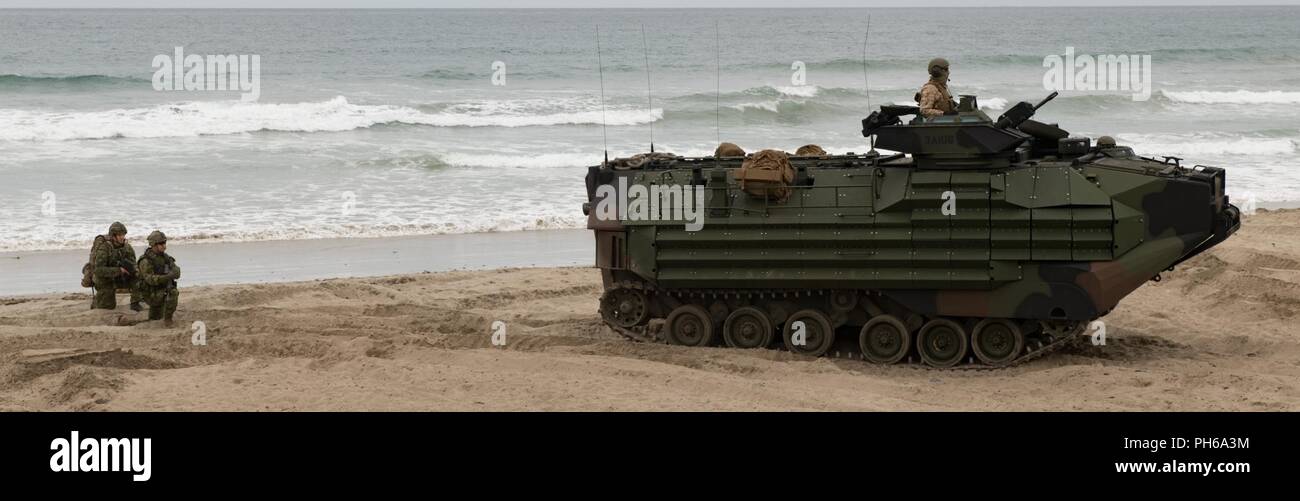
(1216,334)
(35,272)
(274,261)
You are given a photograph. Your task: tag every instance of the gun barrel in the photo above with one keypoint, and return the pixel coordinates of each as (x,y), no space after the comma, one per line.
(1045,100)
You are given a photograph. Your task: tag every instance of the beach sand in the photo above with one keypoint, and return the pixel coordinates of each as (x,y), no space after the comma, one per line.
(1219,333)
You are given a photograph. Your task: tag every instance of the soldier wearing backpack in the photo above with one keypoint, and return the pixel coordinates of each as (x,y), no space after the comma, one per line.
(112,266)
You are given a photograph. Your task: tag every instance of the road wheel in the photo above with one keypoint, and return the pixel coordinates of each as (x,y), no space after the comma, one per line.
(624,307)
(941,343)
(747,327)
(689,325)
(997,341)
(816,337)
(884,340)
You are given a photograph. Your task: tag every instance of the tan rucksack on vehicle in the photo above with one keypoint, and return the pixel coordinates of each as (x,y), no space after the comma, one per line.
(766,174)
(88,271)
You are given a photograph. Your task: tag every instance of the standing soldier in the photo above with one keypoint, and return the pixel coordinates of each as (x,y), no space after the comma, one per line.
(158,275)
(112,264)
(934,99)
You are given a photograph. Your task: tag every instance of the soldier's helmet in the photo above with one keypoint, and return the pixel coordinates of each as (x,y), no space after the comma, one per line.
(938,67)
(1105,142)
(157,237)
(116,228)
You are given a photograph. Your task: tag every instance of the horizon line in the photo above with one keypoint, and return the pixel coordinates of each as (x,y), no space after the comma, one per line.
(945,6)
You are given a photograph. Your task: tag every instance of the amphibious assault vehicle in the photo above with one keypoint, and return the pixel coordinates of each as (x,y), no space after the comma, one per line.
(974,243)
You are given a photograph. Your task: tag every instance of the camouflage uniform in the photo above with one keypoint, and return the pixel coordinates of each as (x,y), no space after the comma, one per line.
(934,99)
(158,275)
(107,260)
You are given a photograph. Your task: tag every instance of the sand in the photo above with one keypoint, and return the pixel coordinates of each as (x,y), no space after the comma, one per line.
(1219,333)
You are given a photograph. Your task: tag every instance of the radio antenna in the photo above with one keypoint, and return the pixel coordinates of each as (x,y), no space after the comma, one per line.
(717,56)
(866,37)
(649,96)
(600,63)
(866,82)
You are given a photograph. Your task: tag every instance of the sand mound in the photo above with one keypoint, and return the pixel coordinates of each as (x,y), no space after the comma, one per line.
(84,388)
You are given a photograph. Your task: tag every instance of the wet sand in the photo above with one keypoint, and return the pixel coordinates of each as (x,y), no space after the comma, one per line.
(38,272)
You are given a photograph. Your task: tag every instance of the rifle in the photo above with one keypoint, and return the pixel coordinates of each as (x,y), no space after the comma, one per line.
(129,266)
(166,269)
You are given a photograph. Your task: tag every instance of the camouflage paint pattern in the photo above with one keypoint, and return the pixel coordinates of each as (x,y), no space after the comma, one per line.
(1037,233)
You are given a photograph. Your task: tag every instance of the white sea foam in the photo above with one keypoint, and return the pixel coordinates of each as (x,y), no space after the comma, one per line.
(1234,97)
(798,90)
(577,159)
(337,114)
(772,106)
(993,103)
(200,231)
(1207,146)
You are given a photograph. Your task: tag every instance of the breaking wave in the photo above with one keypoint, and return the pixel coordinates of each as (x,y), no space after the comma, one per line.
(1233,97)
(66,82)
(337,114)
(1192,146)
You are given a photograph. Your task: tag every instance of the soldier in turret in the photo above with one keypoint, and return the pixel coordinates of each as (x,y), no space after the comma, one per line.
(934,99)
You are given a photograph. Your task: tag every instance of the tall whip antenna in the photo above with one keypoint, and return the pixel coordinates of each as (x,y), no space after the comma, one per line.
(866,82)
(600,63)
(649,96)
(717,56)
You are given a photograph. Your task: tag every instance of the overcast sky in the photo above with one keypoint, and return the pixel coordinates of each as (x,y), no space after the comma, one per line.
(595,3)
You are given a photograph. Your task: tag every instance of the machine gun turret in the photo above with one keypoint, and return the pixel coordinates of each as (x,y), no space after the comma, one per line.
(967,139)
(888,115)
(1020,112)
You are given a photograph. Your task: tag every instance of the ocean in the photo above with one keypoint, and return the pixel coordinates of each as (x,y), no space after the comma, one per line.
(408,122)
